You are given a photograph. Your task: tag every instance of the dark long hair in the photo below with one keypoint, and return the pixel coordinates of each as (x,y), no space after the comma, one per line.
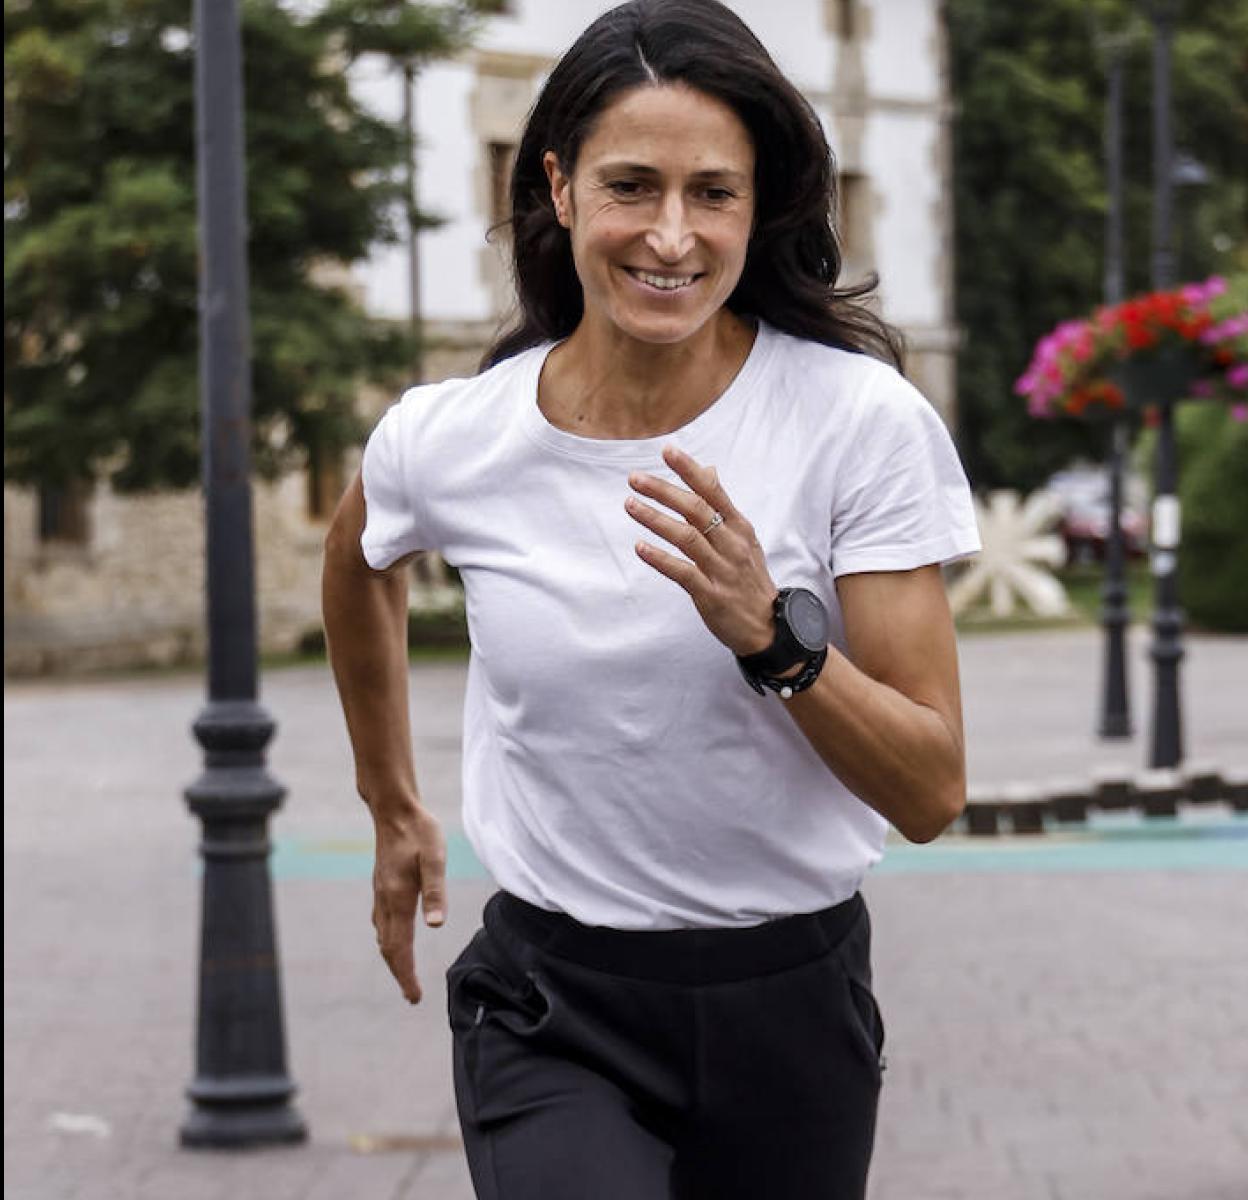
(793,259)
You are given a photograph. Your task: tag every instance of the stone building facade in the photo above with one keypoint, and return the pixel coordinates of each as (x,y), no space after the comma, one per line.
(99,579)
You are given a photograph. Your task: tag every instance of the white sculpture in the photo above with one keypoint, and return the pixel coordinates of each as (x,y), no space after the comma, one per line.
(1017,559)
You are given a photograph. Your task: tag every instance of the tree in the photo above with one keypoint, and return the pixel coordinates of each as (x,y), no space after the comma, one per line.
(1030,196)
(100,306)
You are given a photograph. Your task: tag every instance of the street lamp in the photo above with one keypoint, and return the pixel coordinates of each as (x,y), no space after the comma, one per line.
(1115,721)
(241,1093)
(1188,173)
(411,200)
(1167,648)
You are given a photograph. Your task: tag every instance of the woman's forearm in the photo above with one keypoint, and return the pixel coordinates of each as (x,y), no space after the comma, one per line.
(901,757)
(365,613)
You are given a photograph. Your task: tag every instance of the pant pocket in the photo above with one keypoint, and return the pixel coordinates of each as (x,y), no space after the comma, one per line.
(481,987)
(864,1013)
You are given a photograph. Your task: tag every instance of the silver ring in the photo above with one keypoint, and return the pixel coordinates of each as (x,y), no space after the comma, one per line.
(717,519)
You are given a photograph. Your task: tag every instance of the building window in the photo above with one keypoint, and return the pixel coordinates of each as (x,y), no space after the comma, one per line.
(502,156)
(63,513)
(847,19)
(326,482)
(854,224)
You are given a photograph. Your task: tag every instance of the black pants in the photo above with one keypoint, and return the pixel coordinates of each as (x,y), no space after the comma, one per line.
(691,1064)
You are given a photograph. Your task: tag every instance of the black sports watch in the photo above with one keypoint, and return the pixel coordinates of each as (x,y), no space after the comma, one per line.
(801,637)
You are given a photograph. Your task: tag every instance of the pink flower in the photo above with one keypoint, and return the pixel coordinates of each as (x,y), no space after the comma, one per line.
(1239,412)
(1076,359)
(1201,293)
(1230,328)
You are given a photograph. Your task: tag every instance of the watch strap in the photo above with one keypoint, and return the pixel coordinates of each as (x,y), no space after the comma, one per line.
(785,650)
(786,689)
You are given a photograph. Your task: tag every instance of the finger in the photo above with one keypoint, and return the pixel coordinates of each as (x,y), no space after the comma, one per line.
(691,506)
(688,540)
(703,480)
(679,570)
(433,887)
(396,936)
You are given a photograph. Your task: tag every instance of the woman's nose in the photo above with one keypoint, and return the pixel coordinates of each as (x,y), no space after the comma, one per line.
(670,237)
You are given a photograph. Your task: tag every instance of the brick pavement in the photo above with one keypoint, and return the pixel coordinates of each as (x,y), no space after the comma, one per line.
(1075,1035)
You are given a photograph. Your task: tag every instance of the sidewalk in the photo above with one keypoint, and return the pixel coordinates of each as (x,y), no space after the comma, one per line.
(1069,1027)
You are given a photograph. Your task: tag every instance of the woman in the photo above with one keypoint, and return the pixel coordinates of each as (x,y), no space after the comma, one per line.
(700,530)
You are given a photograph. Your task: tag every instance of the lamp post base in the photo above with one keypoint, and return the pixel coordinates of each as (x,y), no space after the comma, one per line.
(243,1110)
(1115,716)
(1117,726)
(233,1126)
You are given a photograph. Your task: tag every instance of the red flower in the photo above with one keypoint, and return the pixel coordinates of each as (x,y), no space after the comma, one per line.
(1073,367)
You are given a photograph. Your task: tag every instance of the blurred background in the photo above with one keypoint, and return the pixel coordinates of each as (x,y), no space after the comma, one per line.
(1065,1012)
(969,139)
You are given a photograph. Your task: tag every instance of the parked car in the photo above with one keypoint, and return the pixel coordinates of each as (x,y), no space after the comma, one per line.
(1084,524)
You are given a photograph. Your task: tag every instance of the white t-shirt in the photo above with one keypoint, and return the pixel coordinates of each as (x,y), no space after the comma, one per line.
(616,765)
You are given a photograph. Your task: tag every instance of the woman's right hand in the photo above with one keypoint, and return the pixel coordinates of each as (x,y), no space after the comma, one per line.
(409,867)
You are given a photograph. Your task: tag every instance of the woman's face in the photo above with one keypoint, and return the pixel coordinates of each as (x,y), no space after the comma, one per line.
(659,209)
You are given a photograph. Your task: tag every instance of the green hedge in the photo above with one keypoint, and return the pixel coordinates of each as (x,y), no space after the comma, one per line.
(1213,488)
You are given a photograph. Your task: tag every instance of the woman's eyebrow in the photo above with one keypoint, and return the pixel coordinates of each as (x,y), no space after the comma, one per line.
(622,167)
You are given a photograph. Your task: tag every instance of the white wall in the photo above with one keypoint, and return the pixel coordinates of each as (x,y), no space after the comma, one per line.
(901,62)
(900,157)
(899,148)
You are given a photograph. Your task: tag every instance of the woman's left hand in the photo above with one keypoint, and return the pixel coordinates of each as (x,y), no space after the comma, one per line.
(724,570)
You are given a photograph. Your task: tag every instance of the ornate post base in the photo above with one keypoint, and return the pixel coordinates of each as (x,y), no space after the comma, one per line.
(241,1093)
(1115,610)
(1115,708)
(1167,653)
(1167,648)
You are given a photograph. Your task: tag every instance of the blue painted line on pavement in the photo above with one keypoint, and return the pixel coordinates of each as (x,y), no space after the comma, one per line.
(295,859)
(1213,847)
(1109,842)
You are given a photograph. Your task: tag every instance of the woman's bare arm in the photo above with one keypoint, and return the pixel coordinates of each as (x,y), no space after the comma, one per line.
(887,719)
(365,613)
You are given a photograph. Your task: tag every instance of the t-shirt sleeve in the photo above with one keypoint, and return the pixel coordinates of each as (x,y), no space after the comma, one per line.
(394,523)
(901,496)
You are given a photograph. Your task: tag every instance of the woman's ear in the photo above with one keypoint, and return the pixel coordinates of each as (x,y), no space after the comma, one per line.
(560,187)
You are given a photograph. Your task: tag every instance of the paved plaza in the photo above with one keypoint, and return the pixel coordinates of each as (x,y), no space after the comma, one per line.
(1067,1014)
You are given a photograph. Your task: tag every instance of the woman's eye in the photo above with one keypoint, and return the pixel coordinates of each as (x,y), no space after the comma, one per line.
(717,195)
(625,188)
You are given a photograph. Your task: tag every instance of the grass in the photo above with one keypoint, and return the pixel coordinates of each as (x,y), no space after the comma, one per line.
(1083,586)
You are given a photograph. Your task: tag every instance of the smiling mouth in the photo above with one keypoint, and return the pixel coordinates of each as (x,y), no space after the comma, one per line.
(664,283)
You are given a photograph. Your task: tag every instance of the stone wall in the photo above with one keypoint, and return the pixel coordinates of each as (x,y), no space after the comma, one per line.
(133,594)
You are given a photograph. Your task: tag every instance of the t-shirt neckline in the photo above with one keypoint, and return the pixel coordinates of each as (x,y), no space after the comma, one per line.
(689,436)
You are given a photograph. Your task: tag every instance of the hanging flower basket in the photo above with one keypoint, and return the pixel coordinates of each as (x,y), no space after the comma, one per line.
(1169,372)
(1167,346)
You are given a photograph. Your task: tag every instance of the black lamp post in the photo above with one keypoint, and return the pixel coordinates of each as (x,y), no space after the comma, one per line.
(412,201)
(1188,173)
(1115,718)
(1167,648)
(241,1093)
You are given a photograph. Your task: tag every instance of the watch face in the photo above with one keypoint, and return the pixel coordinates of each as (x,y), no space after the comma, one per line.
(807,618)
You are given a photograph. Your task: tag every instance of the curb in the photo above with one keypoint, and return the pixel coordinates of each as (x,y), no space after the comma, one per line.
(1028,808)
